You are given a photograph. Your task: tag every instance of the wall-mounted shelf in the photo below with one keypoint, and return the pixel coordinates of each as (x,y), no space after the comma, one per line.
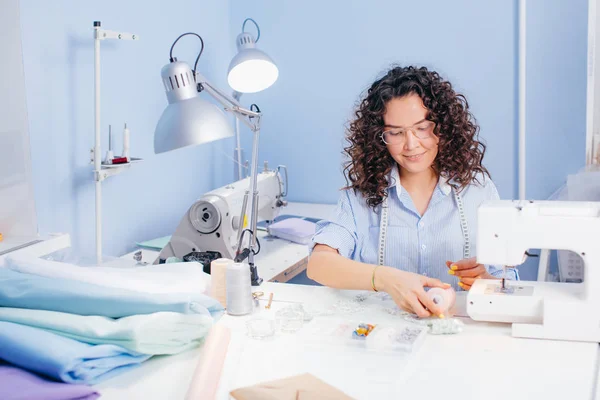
(108,170)
(103,171)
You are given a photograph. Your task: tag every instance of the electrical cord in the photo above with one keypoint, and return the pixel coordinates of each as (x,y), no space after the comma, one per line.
(255,24)
(255,108)
(199,54)
(241,256)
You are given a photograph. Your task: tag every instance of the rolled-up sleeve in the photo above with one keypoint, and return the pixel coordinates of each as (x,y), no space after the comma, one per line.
(491,193)
(339,232)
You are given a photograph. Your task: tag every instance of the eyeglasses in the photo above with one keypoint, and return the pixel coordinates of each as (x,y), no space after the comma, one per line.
(422,130)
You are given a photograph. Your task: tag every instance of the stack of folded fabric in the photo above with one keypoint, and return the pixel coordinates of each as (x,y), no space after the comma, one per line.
(82,325)
(16,383)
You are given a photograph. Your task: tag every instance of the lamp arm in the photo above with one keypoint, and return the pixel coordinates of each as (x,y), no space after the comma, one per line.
(250,118)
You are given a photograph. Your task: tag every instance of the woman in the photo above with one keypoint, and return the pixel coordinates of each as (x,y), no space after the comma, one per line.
(408,217)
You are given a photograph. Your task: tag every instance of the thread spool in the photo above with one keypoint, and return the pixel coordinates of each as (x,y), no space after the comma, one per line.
(109,154)
(126,142)
(218,274)
(443,298)
(239,289)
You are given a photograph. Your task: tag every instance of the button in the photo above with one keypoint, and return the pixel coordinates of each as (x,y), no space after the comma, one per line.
(421,224)
(424,273)
(423,247)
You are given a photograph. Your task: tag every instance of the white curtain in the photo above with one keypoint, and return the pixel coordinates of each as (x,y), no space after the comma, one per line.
(17,208)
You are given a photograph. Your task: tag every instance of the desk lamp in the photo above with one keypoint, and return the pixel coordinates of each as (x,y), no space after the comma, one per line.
(190,120)
(251,70)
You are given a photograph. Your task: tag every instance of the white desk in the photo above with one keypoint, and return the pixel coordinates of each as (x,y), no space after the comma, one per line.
(483,361)
(33,246)
(279,260)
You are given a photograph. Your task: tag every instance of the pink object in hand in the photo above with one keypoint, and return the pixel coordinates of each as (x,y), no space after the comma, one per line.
(444,298)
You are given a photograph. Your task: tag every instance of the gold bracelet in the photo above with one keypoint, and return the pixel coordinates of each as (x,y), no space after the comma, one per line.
(373,279)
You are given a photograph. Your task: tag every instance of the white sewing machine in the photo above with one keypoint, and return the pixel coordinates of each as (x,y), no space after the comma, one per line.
(544,310)
(215,222)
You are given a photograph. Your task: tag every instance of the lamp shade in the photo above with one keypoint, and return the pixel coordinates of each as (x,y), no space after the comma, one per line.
(188,119)
(251,70)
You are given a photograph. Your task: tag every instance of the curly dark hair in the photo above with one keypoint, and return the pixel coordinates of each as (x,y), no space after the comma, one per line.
(460,152)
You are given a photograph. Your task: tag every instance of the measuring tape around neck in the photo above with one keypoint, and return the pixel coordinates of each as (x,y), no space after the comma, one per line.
(383,225)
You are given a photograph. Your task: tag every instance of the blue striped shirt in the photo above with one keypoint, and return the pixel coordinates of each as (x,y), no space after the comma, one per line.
(414,243)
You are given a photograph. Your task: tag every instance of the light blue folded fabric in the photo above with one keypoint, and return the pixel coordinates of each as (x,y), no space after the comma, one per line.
(61,358)
(22,290)
(158,333)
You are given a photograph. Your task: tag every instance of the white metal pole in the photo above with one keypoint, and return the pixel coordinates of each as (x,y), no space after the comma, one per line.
(591,85)
(544,265)
(522,96)
(254,187)
(254,203)
(252,119)
(238,149)
(97,153)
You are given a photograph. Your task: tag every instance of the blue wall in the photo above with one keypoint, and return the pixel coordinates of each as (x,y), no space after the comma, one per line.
(330,51)
(556,90)
(148,200)
(556,99)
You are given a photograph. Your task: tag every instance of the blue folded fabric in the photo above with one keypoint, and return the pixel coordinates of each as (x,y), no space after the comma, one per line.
(21,290)
(61,358)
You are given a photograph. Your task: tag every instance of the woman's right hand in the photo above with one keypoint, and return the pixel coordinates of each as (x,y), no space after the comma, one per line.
(407,290)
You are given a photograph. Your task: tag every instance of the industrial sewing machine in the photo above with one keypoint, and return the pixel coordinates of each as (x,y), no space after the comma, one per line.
(544,310)
(215,223)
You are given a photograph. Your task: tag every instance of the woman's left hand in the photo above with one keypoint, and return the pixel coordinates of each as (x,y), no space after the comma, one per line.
(467,271)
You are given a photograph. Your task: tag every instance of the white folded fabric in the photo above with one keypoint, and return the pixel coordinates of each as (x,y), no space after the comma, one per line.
(185,277)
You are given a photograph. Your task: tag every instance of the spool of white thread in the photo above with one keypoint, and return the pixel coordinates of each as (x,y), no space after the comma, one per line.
(218,274)
(443,298)
(126,142)
(239,289)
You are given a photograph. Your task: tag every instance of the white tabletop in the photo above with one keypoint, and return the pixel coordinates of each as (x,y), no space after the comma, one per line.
(483,361)
(33,246)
